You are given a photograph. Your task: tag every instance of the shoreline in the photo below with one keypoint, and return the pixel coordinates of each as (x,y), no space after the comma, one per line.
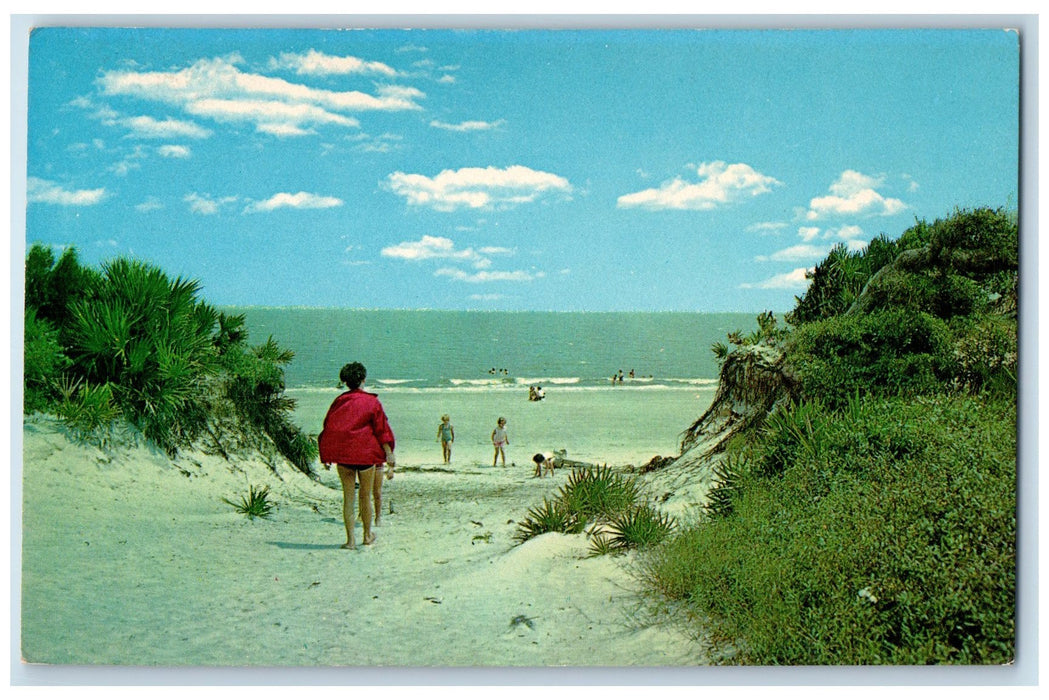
(620,427)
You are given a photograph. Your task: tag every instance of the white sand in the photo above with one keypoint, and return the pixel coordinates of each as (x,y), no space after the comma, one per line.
(132,559)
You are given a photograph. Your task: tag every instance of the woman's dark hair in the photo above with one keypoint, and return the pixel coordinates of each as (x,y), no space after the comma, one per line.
(353,374)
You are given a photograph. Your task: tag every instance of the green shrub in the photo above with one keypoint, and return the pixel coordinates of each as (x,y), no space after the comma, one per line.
(254,505)
(88,411)
(888,353)
(151,339)
(174,367)
(551,516)
(728,476)
(894,543)
(981,239)
(44,361)
(598,492)
(986,353)
(640,526)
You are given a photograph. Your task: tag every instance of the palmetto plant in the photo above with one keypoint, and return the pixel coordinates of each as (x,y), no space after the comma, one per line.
(598,492)
(254,505)
(727,476)
(551,516)
(640,526)
(151,339)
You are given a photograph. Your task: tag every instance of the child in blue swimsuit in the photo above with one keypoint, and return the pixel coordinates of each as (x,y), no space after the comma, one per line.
(446,434)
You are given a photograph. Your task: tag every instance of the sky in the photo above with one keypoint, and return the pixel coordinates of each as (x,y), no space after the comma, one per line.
(584,170)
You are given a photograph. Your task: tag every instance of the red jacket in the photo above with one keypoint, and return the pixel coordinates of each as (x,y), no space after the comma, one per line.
(355,430)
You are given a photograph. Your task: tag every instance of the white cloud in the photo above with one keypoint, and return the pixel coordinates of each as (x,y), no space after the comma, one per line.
(429,248)
(172,151)
(384,143)
(847,233)
(440,248)
(269,116)
(425,249)
(205,205)
(132,161)
(314,62)
(796,253)
(853,194)
(467,125)
(151,204)
(477,188)
(808,233)
(788,280)
(146,127)
(217,88)
(446,80)
(719,184)
(299,200)
(487,297)
(486,275)
(43,191)
(767,227)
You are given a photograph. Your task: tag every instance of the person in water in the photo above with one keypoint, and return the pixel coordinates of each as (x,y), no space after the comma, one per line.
(357,437)
(500,441)
(446,434)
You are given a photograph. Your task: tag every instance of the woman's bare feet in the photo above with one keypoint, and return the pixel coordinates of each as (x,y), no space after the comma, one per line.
(349,545)
(369,538)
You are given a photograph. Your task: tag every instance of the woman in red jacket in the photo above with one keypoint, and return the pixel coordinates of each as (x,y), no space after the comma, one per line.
(357,437)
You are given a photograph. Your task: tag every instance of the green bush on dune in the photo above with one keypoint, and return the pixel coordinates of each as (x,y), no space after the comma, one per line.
(128,341)
(611,503)
(882,537)
(870,518)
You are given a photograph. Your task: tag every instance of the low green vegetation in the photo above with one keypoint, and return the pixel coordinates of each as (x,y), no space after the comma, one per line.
(126,343)
(255,504)
(610,503)
(870,517)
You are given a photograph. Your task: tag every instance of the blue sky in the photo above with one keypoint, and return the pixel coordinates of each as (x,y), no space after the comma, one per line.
(563,170)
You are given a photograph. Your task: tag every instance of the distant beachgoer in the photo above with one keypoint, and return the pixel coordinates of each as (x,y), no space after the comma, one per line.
(500,441)
(356,436)
(620,376)
(544,463)
(631,375)
(446,434)
(531,393)
(539,393)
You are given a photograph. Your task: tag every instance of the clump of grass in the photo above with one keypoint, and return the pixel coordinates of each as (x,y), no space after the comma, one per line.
(598,492)
(610,501)
(727,477)
(641,526)
(88,411)
(551,516)
(254,505)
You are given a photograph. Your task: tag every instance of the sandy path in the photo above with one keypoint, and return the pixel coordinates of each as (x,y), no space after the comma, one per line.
(141,564)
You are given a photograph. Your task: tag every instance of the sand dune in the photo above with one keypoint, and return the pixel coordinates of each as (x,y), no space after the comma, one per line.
(131,558)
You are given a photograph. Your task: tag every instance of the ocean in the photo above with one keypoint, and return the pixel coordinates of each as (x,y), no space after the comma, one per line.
(478,366)
(405,350)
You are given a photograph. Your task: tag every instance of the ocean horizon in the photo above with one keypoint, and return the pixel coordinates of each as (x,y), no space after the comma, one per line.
(426,349)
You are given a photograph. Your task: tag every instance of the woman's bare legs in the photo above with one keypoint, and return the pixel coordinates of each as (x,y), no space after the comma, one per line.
(380,473)
(348,477)
(367,478)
